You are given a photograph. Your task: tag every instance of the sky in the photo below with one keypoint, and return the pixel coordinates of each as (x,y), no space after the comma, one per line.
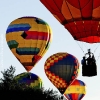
(62,41)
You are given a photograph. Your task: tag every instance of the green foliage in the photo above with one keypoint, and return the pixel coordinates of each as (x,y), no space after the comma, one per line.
(11,89)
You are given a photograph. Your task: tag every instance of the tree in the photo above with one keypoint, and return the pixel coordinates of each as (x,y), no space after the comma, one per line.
(7,79)
(11,89)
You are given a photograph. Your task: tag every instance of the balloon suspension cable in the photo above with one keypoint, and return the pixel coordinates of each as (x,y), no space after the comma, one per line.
(98,57)
(96,48)
(80,47)
(95,51)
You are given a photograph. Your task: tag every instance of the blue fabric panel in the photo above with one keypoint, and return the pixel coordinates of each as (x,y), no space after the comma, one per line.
(18,27)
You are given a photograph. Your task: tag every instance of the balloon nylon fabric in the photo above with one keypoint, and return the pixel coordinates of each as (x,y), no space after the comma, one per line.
(76,91)
(80,17)
(29,79)
(61,69)
(28,38)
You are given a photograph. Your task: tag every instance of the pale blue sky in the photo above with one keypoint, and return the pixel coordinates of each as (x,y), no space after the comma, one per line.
(62,42)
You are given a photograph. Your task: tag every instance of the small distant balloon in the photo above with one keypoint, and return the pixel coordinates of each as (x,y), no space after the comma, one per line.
(30,79)
(28,38)
(76,91)
(61,69)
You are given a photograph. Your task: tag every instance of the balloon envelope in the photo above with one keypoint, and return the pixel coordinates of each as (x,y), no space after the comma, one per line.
(76,90)
(61,69)
(30,79)
(28,38)
(80,17)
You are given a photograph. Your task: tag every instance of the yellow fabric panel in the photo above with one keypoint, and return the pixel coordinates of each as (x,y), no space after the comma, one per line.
(15,34)
(50,34)
(26,60)
(78,71)
(24,44)
(23,58)
(52,61)
(36,82)
(8,38)
(39,41)
(33,45)
(18,76)
(34,41)
(42,47)
(14,52)
(20,39)
(17,37)
(47,64)
(39,28)
(75,89)
(34,26)
(26,56)
(96,12)
(55,58)
(29,60)
(44,52)
(23,20)
(29,41)
(39,46)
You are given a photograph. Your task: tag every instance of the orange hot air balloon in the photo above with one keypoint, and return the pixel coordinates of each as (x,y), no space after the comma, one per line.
(76,91)
(61,69)
(80,17)
(28,38)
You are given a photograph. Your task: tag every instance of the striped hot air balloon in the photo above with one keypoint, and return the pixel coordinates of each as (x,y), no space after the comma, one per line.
(28,38)
(30,79)
(61,69)
(76,90)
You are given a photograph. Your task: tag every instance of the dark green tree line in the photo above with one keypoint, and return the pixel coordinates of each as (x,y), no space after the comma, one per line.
(12,90)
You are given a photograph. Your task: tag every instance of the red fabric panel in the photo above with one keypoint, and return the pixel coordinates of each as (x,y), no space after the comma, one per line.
(86,28)
(37,35)
(96,3)
(54,9)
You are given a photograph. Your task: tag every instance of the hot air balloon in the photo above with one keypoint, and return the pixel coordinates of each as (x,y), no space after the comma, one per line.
(30,79)
(61,69)
(28,38)
(81,18)
(76,91)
